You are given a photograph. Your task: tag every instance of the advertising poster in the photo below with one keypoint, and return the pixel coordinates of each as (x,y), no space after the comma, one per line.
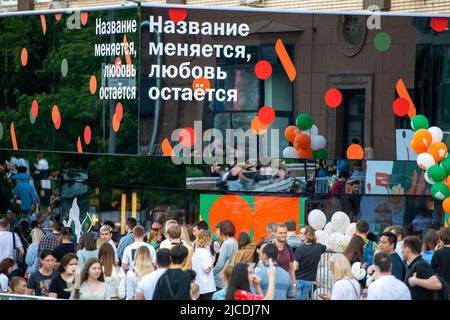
(251,214)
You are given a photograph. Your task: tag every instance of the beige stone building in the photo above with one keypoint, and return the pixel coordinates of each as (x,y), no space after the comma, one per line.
(430,6)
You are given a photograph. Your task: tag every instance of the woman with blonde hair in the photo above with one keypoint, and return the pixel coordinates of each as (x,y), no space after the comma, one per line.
(166,243)
(203,265)
(185,237)
(345,287)
(32,259)
(114,275)
(142,266)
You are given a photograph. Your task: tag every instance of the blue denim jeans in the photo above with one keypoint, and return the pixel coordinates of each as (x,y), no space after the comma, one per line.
(303,289)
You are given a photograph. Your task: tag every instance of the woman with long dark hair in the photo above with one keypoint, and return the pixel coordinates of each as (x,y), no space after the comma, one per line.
(239,285)
(246,250)
(258,262)
(87,249)
(114,275)
(92,284)
(62,283)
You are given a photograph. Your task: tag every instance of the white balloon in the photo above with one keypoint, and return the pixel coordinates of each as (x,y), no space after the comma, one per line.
(329,228)
(317,219)
(340,221)
(425,161)
(436,134)
(338,242)
(351,229)
(313,131)
(322,237)
(357,271)
(427,179)
(318,142)
(289,152)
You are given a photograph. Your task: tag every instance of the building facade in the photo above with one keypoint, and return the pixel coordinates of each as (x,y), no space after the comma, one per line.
(437,6)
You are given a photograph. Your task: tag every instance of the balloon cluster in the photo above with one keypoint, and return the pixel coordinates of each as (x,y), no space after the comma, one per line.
(335,234)
(432,158)
(307,143)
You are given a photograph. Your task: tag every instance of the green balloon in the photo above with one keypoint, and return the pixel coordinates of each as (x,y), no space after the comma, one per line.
(446,165)
(304,121)
(419,122)
(436,173)
(64,67)
(439,191)
(321,154)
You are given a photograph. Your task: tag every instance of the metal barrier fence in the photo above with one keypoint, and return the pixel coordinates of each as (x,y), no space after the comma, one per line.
(9,296)
(324,280)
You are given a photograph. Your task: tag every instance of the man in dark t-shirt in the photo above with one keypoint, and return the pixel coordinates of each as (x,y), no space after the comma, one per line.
(420,277)
(66,245)
(387,243)
(307,257)
(285,257)
(39,281)
(441,258)
(174,284)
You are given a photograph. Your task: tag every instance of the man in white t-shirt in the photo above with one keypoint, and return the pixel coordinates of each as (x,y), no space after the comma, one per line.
(386,286)
(146,287)
(167,241)
(106,235)
(130,251)
(7,244)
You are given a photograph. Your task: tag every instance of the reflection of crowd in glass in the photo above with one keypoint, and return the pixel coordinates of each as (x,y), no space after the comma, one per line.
(32,193)
(173,261)
(249,176)
(336,175)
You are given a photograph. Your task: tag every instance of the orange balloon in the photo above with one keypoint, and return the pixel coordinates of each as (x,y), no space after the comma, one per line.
(305,154)
(24,56)
(290,133)
(446,204)
(414,147)
(302,142)
(44,24)
(447,181)
(439,151)
(201,84)
(115,123)
(423,138)
(79,146)
(167,148)
(93,84)
(55,114)
(355,152)
(258,127)
(84,18)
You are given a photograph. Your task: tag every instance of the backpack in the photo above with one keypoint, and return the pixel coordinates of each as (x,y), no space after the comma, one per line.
(368,253)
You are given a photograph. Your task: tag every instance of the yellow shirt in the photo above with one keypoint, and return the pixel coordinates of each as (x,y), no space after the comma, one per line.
(187,261)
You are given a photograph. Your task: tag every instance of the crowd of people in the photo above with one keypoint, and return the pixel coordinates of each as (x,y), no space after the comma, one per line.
(174,261)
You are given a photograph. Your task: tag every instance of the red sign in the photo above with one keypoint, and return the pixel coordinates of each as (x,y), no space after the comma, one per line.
(382,179)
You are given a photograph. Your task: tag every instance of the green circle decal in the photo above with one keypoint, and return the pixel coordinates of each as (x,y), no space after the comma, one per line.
(382,41)
(64,67)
